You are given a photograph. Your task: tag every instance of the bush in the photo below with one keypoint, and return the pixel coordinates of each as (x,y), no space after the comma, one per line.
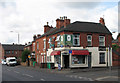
(25,54)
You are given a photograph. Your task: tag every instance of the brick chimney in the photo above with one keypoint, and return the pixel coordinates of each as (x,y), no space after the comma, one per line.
(38,35)
(59,22)
(101,21)
(34,37)
(47,28)
(66,21)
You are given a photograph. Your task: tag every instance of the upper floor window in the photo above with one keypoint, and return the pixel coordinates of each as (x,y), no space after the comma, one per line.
(101,41)
(58,40)
(7,52)
(44,44)
(33,46)
(37,45)
(89,40)
(50,42)
(76,40)
(12,52)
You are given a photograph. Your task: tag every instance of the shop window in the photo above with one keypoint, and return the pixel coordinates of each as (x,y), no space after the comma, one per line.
(57,59)
(78,59)
(101,41)
(76,40)
(89,40)
(102,58)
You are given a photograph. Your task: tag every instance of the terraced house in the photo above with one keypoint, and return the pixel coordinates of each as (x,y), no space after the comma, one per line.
(77,44)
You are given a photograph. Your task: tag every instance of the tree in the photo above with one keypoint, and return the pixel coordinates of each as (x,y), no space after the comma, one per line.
(115,46)
(25,54)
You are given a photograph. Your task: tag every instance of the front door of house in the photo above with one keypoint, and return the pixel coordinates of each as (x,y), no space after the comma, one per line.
(66,61)
(89,60)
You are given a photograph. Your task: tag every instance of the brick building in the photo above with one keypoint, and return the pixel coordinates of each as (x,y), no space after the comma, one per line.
(116,51)
(11,50)
(77,44)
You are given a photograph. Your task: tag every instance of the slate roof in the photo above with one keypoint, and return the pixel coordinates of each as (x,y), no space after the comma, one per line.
(79,26)
(12,47)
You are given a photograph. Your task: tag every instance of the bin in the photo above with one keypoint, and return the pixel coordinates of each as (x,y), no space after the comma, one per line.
(48,66)
(34,63)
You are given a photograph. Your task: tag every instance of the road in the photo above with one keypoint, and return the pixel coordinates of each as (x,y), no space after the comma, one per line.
(19,73)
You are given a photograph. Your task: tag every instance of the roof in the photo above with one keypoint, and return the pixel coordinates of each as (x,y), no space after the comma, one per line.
(13,47)
(79,26)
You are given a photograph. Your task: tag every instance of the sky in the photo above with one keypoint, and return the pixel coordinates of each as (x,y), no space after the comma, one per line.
(28,17)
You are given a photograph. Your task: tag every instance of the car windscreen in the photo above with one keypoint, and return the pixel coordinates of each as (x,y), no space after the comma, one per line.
(12,60)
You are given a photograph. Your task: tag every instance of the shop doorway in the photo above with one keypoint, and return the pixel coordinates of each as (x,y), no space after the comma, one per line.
(66,61)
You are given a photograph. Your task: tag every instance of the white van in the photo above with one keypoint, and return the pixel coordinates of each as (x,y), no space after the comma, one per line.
(11,61)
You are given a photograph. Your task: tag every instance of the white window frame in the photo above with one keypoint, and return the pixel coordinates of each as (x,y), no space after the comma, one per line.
(37,45)
(33,46)
(44,43)
(103,41)
(78,38)
(89,40)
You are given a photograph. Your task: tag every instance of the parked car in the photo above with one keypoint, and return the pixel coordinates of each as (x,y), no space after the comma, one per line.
(11,61)
(3,62)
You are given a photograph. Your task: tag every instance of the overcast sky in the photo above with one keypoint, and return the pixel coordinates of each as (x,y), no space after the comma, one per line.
(27,17)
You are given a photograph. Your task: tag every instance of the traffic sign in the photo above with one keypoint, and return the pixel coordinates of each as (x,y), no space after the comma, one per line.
(70,51)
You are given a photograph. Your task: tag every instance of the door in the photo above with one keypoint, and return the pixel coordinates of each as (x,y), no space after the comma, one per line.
(66,61)
(89,60)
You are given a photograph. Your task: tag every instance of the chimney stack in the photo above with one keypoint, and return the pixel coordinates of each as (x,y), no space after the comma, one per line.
(47,28)
(38,35)
(63,21)
(34,37)
(102,21)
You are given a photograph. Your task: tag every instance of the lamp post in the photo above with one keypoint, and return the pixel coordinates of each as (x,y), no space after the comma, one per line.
(18,35)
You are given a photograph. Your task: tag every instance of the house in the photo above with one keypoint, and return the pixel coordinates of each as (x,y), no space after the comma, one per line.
(77,44)
(11,50)
(116,51)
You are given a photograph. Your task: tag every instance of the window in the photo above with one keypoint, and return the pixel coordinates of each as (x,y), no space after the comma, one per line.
(89,40)
(44,44)
(7,52)
(12,52)
(78,59)
(102,58)
(57,59)
(37,45)
(33,46)
(101,41)
(76,40)
(50,43)
(16,52)
(58,40)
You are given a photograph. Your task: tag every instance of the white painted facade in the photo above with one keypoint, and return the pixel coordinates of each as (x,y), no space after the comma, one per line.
(94,57)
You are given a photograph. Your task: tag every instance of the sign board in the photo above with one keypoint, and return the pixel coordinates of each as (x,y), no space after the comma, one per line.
(29,56)
(70,51)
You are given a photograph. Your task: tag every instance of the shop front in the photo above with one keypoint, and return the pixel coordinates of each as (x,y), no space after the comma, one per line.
(77,58)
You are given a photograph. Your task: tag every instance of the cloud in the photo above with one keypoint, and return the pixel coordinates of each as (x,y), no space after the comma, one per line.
(28,17)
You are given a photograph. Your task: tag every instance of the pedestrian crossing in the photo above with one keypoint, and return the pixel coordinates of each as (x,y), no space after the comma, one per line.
(79,77)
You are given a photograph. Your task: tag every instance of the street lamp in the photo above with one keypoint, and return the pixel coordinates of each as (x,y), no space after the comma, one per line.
(18,35)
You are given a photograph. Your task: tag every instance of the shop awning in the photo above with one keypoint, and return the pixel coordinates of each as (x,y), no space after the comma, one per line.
(80,52)
(55,53)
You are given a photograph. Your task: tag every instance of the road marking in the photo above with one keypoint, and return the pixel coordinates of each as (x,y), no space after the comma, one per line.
(42,79)
(28,75)
(16,72)
(106,77)
(8,70)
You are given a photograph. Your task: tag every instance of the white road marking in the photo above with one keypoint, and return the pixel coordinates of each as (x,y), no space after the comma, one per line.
(106,77)
(27,75)
(16,72)
(8,70)
(42,79)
